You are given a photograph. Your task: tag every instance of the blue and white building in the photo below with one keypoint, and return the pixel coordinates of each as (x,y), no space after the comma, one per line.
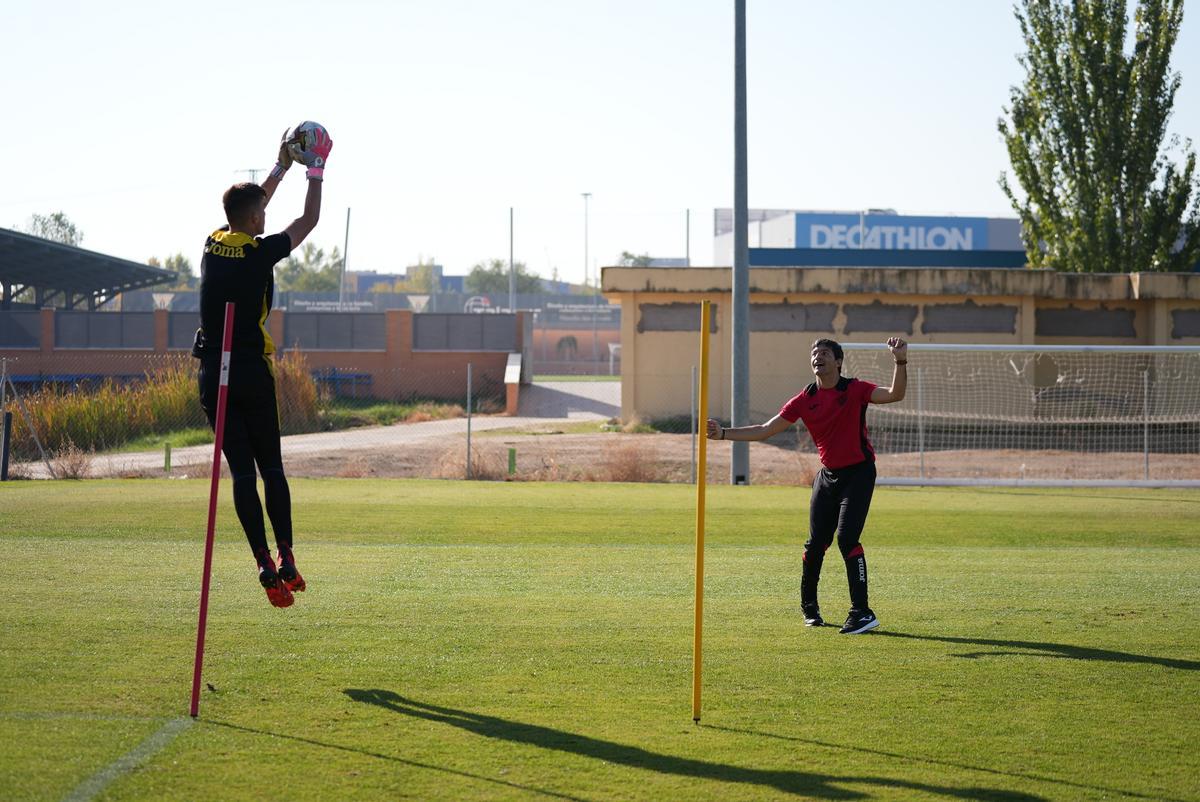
(871,237)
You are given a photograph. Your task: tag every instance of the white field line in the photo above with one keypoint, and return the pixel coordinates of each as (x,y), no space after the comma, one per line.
(92,786)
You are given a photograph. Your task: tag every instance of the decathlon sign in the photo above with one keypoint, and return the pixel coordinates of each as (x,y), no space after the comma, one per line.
(891,232)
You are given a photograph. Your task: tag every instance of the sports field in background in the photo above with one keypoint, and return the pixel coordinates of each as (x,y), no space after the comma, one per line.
(533,641)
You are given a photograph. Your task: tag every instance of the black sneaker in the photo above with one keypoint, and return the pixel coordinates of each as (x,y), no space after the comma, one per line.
(858,622)
(812,616)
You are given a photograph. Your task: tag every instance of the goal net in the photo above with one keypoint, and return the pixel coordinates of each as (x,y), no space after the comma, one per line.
(1122,415)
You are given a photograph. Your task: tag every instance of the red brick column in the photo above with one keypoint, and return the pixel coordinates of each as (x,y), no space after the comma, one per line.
(161,331)
(47,329)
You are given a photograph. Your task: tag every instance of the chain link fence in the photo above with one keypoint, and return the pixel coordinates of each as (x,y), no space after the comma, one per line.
(975,416)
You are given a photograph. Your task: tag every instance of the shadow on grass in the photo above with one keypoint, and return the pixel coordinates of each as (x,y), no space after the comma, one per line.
(936,762)
(1049,650)
(820,786)
(394,759)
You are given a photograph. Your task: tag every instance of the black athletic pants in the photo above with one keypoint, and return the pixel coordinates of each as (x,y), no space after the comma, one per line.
(251,436)
(840,501)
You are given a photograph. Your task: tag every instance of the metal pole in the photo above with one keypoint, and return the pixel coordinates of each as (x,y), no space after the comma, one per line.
(468,420)
(694,386)
(921,420)
(739,466)
(687,237)
(698,631)
(3,382)
(512,275)
(32,431)
(345,256)
(596,290)
(4,446)
(1146,422)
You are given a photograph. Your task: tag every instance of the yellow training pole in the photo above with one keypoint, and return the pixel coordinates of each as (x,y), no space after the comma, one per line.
(702,459)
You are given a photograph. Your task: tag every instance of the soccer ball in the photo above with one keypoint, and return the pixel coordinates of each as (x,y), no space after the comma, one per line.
(301,139)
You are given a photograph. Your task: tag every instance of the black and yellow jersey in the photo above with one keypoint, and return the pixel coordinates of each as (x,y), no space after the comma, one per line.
(239,268)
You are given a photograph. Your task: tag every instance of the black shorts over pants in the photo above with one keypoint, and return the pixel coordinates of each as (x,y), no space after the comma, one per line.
(251,412)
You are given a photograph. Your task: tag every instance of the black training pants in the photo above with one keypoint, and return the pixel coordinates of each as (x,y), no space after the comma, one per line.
(251,437)
(841,499)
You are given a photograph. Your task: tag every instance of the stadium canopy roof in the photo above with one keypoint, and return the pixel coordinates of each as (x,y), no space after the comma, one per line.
(66,276)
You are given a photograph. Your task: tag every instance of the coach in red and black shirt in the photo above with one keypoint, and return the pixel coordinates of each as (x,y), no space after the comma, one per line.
(834,410)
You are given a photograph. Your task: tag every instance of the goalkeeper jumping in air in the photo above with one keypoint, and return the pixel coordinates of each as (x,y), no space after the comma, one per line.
(238,266)
(834,409)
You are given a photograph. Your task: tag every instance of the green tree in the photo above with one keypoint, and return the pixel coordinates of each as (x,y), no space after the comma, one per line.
(491,277)
(311,271)
(628,259)
(1085,135)
(421,279)
(181,266)
(57,227)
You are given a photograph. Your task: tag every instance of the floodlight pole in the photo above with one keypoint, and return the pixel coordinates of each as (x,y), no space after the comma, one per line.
(739,466)
(512,275)
(596,294)
(345,256)
(687,237)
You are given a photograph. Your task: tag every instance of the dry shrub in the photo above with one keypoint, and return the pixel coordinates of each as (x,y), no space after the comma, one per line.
(797,472)
(428,411)
(98,416)
(355,468)
(296,393)
(549,470)
(18,471)
(198,469)
(635,425)
(71,462)
(629,462)
(488,405)
(484,466)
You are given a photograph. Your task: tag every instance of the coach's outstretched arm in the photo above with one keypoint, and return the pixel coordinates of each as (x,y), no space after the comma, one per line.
(758,431)
(890,395)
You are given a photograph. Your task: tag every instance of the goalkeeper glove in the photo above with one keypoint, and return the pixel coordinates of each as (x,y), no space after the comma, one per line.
(317,154)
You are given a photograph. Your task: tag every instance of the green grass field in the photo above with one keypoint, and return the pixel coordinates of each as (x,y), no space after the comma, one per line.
(533,641)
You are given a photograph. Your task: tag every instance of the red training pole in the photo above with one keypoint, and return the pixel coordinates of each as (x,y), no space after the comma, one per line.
(222,398)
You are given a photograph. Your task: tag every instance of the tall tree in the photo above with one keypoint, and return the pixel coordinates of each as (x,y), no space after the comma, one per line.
(491,277)
(56,226)
(185,274)
(1085,135)
(311,271)
(422,278)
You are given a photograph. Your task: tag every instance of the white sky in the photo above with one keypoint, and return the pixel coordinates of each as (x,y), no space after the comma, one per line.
(133,117)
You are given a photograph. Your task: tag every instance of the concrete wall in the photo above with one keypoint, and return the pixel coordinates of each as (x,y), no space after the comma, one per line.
(790,307)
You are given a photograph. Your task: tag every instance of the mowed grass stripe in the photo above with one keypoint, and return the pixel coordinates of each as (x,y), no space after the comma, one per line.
(420,511)
(486,663)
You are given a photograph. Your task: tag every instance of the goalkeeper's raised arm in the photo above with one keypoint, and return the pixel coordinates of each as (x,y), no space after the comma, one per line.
(309,144)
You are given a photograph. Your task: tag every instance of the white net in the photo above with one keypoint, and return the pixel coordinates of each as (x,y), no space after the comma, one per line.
(1045,414)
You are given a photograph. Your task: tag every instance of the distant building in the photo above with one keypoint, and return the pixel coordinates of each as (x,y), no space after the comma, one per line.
(365,280)
(871,237)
